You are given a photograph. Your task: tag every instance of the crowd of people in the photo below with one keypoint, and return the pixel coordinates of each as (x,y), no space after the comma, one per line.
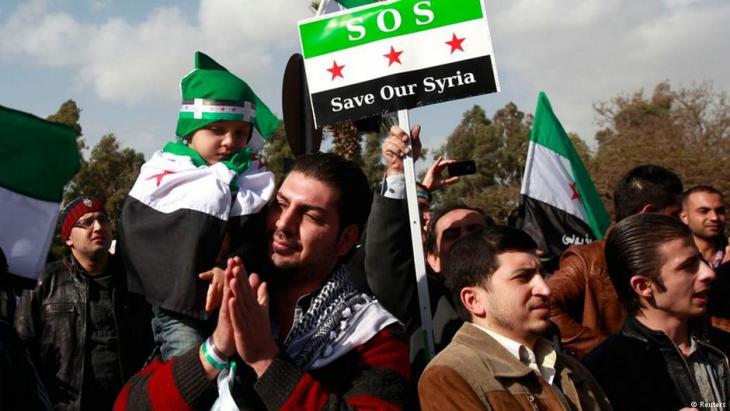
(226,292)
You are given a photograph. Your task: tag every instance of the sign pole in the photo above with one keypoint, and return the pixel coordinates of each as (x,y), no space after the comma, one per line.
(419,262)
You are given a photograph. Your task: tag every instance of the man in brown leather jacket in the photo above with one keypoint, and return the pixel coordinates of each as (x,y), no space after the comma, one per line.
(583,303)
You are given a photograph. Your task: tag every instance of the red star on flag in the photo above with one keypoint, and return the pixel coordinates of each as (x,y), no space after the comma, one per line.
(260,160)
(336,70)
(159,176)
(455,43)
(575,195)
(393,56)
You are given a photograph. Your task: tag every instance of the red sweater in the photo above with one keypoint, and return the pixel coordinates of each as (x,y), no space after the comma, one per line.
(374,375)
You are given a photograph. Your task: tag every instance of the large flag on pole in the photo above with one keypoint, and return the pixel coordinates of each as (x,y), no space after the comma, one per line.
(561,206)
(37,159)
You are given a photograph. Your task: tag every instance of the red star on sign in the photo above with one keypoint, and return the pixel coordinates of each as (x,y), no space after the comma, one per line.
(455,43)
(159,176)
(336,70)
(393,56)
(575,195)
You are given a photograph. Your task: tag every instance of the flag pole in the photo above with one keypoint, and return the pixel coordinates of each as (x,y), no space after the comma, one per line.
(419,262)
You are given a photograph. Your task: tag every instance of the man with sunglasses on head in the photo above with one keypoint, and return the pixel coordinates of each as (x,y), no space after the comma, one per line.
(86,334)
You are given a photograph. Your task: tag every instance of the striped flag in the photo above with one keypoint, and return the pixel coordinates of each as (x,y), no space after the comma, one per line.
(38,158)
(175,219)
(396,55)
(560,204)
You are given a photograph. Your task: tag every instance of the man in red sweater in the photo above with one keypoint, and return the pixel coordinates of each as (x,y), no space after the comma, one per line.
(305,337)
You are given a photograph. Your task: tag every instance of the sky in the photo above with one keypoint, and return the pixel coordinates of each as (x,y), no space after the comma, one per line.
(122,61)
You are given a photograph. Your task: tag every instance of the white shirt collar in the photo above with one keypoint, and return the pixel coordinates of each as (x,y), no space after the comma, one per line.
(546,353)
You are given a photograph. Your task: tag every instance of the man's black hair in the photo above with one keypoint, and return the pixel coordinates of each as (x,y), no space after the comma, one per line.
(347,178)
(632,248)
(646,185)
(473,259)
(702,188)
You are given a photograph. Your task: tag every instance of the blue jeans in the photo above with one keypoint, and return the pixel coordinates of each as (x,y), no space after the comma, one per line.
(176,334)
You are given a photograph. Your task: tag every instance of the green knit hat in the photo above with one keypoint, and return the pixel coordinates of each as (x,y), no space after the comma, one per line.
(210,93)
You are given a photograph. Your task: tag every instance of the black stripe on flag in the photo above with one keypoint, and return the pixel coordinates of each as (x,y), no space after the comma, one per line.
(553,229)
(163,254)
(453,78)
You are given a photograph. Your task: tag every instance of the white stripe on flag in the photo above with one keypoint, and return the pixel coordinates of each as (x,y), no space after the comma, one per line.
(28,225)
(368,62)
(548,178)
(168,183)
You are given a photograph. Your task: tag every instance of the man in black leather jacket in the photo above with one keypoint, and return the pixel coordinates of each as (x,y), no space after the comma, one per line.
(86,334)
(659,360)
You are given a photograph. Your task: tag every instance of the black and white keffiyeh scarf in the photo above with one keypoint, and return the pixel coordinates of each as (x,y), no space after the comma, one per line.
(338,319)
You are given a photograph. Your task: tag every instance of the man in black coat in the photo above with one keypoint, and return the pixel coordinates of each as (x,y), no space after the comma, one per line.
(85,333)
(659,360)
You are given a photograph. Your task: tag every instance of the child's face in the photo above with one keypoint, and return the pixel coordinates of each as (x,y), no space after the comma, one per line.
(221,140)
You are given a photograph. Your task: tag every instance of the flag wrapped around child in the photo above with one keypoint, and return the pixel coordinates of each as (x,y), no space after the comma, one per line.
(182,214)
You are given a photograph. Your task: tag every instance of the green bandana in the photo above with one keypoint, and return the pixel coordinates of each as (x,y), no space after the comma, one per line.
(238,163)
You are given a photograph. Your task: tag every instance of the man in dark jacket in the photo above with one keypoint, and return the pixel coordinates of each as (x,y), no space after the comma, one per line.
(659,360)
(583,302)
(86,334)
(389,252)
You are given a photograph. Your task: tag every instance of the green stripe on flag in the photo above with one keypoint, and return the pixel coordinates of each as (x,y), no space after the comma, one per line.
(548,132)
(328,35)
(38,157)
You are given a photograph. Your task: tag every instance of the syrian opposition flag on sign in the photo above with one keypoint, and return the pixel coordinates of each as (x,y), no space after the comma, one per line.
(38,158)
(561,206)
(395,55)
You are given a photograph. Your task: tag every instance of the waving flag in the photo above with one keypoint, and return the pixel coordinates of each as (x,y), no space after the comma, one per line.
(37,159)
(561,206)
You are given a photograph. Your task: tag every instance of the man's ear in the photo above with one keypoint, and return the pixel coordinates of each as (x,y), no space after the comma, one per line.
(642,286)
(472,301)
(68,242)
(683,216)
(348,239)
(434,261)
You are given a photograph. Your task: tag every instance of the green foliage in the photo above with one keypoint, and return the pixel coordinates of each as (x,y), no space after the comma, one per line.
(109,175)
(687,131)
(346,140)
(499,148)
(69,114)
(276,152)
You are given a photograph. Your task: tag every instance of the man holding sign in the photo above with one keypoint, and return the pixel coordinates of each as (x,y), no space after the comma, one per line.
(397,55)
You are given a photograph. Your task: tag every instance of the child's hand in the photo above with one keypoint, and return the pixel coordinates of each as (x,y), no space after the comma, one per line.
(216,276)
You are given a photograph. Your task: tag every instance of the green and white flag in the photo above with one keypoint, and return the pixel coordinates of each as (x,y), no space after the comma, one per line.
(560,203)
(37,159)
(395,55)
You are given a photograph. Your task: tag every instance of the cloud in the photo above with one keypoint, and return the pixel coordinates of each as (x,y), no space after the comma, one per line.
(578,51)
(129,62)
(584,51)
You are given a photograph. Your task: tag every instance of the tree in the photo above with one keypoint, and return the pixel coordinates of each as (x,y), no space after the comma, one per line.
(346,139)
(687,131)
(276,153)
(109,175)
(499,148)
(69,114)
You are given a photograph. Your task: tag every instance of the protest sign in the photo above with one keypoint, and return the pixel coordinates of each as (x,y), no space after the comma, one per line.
(396,55)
